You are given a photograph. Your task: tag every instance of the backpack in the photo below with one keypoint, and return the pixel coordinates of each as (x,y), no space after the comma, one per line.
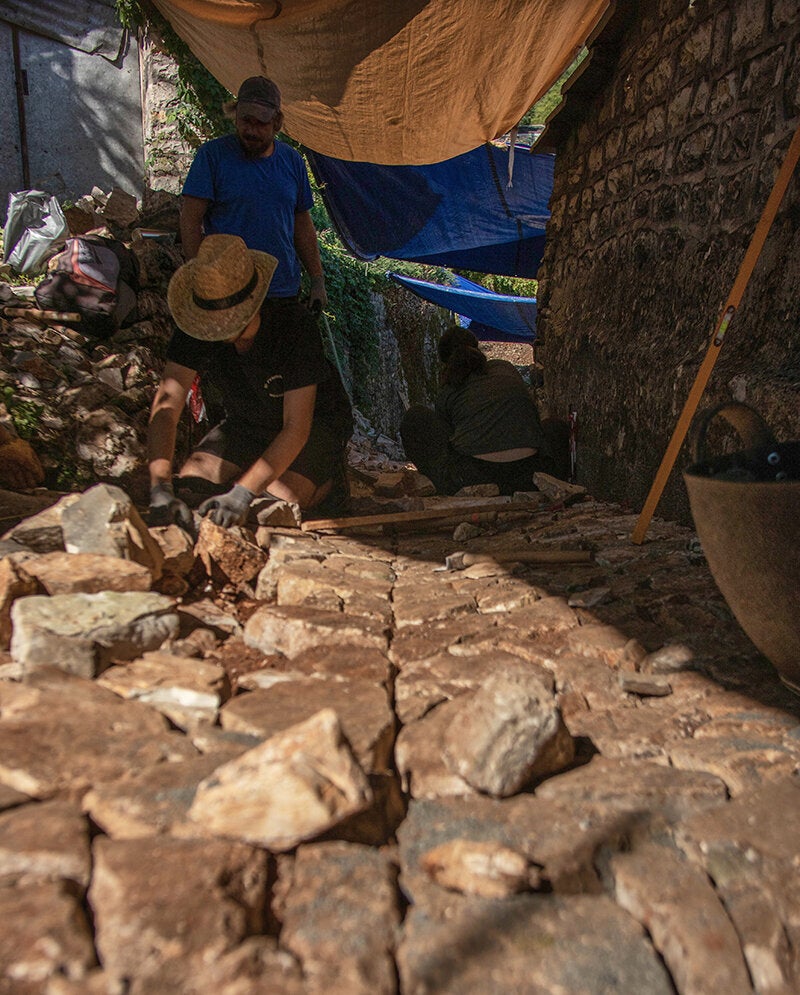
(95,277)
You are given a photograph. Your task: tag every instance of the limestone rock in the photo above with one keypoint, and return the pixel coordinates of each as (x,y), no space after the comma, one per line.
(46,841)
(42,532)
(88,573)
(45,935)
(151,801)
(104,520)
(485,869)
(60,733)
(82,633)
(186,690)
(295,628)
(363,710)
(340,915)
(527,943)
(291,788)
(227,554)
(505,734)
(177,548)
(148,909)
(686,919)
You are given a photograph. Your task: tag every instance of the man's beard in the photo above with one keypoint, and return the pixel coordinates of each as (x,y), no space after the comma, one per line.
(254,148)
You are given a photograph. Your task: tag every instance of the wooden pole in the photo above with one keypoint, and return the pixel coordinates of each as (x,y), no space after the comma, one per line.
(463,512)
(717,339)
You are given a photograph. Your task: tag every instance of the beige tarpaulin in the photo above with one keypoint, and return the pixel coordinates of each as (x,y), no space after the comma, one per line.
(391,81)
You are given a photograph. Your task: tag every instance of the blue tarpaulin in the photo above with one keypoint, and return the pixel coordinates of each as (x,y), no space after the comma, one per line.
(459,214)
(493,317)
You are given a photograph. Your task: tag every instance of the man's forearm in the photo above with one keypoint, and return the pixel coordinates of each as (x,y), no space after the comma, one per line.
(193,210)
(307,245)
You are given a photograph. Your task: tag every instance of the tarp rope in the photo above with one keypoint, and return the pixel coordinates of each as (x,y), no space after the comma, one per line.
(717,339)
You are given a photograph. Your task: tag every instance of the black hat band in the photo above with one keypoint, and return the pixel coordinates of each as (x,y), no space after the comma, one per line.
(224,303)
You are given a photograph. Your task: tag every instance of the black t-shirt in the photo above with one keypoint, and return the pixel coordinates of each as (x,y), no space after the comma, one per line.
(490,412)
(286,354)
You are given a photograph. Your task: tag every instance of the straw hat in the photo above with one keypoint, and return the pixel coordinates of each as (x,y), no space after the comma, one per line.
(214,296)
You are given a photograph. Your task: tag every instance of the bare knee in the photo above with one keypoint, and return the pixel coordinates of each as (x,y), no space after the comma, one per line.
(209,467)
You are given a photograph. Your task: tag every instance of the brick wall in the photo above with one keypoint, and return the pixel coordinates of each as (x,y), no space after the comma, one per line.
(661,176)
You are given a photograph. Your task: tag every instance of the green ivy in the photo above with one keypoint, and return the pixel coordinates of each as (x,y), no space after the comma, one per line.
(25,415)
(197,110)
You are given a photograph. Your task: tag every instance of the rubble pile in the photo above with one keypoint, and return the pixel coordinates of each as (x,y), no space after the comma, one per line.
(400,757)
(84,401)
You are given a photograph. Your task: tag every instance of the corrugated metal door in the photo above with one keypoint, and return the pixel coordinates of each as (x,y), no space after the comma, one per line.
(76,121)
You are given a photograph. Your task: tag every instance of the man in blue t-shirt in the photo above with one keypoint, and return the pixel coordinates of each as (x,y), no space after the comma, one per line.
(250,185)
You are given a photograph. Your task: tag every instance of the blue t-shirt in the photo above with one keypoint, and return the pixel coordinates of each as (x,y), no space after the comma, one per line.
(256,199)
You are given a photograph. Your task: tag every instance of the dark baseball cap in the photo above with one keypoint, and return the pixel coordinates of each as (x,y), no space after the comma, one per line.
(258,97)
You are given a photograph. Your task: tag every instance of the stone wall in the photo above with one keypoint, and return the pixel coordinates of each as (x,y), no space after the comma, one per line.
(166,156)
(660,180)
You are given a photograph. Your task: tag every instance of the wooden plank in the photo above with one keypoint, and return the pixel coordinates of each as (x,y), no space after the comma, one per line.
(462,512)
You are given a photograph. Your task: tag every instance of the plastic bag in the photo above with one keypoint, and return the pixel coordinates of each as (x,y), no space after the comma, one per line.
(35,229)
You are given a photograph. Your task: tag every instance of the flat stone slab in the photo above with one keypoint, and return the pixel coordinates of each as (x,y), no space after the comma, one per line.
(149,909)
(152,801)
(61,733)
(87,573)
(684,916)
(339,917)
(581,944)
(294,628)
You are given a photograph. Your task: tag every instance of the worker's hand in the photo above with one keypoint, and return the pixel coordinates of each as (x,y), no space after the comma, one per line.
(20,468)
(166,509)
(318,295)
(228,509)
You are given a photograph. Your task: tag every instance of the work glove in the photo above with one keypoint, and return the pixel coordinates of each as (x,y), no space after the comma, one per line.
(318,295)
(166,509)
(228,509)
(20,468)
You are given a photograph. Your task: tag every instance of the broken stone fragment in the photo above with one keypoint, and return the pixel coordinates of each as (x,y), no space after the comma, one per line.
(83,633)
(296,785)
(229,555)
(42,532)
(487,869)
(506,734)
(105,520)
(188,691)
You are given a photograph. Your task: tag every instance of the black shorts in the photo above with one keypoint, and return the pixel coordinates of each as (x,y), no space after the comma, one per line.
(240,443)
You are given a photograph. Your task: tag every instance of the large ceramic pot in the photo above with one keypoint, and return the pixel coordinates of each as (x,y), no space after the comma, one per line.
(746,509)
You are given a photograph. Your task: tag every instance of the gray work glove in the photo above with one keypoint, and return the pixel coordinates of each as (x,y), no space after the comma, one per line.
(166,509)
(317,295)
(228,509)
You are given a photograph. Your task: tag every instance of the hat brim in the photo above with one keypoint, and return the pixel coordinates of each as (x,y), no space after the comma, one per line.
(260,111)
(217,326)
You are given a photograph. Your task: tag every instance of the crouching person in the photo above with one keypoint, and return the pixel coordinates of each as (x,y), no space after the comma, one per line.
(287,416)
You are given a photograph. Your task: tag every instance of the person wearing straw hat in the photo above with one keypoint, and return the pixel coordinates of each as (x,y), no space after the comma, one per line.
(252,185)
(288,417)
